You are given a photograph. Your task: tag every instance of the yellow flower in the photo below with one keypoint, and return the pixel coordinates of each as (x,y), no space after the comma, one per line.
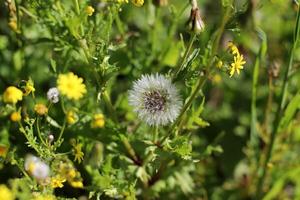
(29,87)
(78,154)
(138,3)
(71,86)
(237,65)
(41,109)
(76,184)
(219,64)
(57,181)
(233,48)
(89,10)
(12,95)
(71,174)
(15,116)
(6,193)
(98,121)
(71,117)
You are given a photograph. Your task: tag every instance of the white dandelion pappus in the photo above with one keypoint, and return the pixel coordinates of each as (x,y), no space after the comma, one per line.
(53,95)
(155,99)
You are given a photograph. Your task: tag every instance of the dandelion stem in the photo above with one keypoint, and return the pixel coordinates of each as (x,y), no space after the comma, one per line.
(155,134)
(280,108)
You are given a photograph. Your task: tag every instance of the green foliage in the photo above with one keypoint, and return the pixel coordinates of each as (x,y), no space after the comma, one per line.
(234,137)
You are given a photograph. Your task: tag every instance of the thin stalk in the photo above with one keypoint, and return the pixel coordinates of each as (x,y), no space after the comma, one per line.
(62,130)
(185,56)
(109,105)
(130,150)
(282,103)
(39,131)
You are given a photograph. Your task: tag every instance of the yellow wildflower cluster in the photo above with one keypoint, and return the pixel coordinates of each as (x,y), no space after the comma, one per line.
(12,95)
(98,121)
(238,58)
(71,86)
(69,173)
(6,193)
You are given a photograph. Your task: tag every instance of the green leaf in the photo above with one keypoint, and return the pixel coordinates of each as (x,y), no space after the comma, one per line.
(289,112)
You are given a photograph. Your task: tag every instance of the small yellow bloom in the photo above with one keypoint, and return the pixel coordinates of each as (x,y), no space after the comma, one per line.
(89,10)
(71,117)
(57,181)
(219,64)
(15,116)
(78,154)
(98,121)
(237,65)
(29,87)
(233,48)
(71,174)
(12,95)
(71,86)
(76,184)
(41,109)
(6,193)
(138,3)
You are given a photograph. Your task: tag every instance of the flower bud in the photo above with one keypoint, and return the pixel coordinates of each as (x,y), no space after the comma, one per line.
(195,23)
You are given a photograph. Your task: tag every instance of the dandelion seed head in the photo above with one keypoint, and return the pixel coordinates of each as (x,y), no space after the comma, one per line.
(53,95)
(155,99)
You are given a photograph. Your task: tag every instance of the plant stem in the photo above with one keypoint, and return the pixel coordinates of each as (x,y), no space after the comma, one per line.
(155,134)
(186,53)
(109,106)
(282,103)
(39,132)
(62,130)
